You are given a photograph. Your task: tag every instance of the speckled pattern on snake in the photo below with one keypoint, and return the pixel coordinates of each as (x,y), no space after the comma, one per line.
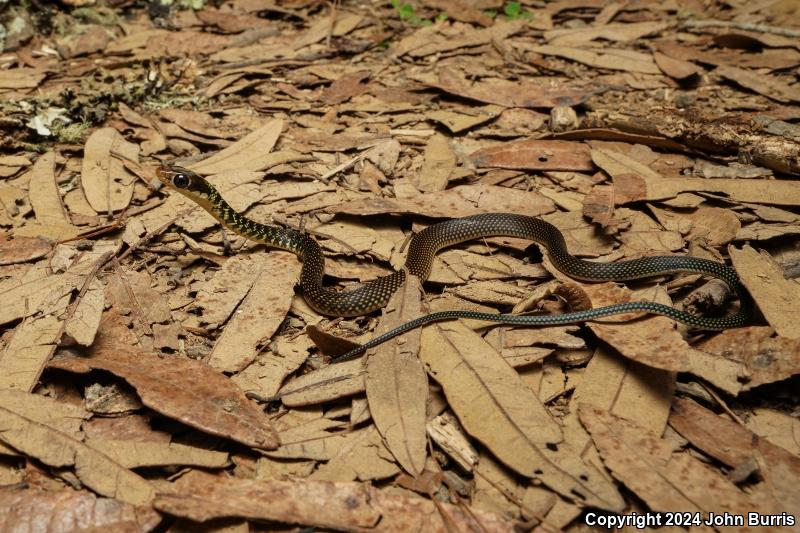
(424,245)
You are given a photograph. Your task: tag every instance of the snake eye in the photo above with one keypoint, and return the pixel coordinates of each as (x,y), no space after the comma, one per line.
(180,180)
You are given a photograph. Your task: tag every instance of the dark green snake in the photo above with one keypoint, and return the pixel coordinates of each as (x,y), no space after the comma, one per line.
(422,248)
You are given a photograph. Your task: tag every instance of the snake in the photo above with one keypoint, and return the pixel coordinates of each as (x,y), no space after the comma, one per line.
(424,245)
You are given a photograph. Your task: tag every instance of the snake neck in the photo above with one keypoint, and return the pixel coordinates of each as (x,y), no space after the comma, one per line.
(283,238)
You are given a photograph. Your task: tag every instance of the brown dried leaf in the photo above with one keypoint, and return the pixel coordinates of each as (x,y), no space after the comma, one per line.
(460,201)
(46,200)
(735,445)
(458,121)
(266,375)
(760,356)
(598,206)
(499,490)
(54,448)
(461,266)
(21,249)
(535,155)
(106,182)
(635,182)
(135,454)
(221,295)
(91,39)
(28,509)
(508,94)
(328,383)
(626,389)
(714,225)
(338,24)
(651,340)
(230,22)
(325,504)
(780,428)
(21,78)
(131,293)
(316,439)
(252,152)
(61,416)
(24,357)
(498,409)
(346,87)
(608,32)
(607,58)
(11,164)
(463,11)
(183,389)
(396,384)
(438,164)
(82,326)
(260,314)
(768,86)
(676,68)
(364,456)
(436,39)
(777,297)
(665,479)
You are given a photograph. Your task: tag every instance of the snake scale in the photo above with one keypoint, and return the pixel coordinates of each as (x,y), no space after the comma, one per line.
(423,247)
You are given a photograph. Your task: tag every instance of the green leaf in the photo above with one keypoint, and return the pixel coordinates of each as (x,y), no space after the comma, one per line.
(406,12)
(513,10)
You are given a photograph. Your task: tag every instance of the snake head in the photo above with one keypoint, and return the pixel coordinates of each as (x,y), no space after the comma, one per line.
(183,180)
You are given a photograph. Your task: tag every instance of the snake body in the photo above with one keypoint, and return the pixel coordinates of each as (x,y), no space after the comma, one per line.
(423,247)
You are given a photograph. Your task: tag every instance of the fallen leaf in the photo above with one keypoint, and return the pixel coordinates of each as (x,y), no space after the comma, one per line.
(535,155)
(662,477)
(777,297)
(328,383)
(437,166)
(635,182)
(499,410)
(27,509)
(54,448)
(184,389)
(769,86)
(508,94)
(333,505)
(607,58)
(106,183)
(761,357)
(364,457)
(396,384)
(734,445)
(626,32)
(260,314)
(132,454)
